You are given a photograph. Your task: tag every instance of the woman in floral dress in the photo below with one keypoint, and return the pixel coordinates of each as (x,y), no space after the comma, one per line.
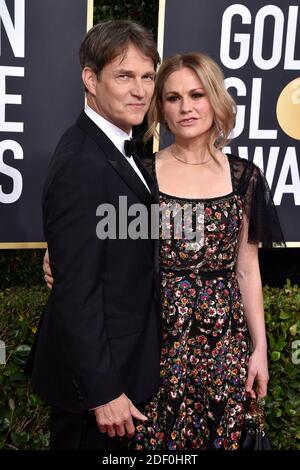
(211,291)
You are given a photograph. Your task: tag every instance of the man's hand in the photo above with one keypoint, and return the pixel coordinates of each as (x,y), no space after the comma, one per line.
(47,270)
(115,418)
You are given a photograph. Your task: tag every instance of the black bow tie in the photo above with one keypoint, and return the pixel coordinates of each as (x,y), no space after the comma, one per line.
(133,147)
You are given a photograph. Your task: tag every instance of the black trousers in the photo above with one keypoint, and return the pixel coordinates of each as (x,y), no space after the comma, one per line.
(78,431)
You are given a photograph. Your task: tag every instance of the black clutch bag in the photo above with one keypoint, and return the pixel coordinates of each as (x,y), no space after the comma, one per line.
(254,436)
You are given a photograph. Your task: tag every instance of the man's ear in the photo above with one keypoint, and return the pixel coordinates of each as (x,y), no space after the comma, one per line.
(89,79)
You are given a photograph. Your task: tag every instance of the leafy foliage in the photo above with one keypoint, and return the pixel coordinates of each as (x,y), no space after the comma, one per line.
(24,417)
(144,12)
(21,268)
(282,308)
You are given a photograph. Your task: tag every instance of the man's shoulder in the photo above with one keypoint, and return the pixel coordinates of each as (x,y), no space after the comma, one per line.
(76,155)
(75,144)
(71,143)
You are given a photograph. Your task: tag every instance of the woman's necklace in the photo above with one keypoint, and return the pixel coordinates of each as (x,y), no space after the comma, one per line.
(188,163)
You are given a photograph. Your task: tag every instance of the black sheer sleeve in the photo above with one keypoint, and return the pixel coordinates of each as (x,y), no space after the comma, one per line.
(149,162)
(250,183)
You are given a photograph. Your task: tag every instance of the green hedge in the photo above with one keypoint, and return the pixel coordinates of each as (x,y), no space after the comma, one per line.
(23,415)
(145,12)
(21,268)
(24,418)
(282,308)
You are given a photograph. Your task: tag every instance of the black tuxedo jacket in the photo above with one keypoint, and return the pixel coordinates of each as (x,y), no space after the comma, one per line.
(100,332)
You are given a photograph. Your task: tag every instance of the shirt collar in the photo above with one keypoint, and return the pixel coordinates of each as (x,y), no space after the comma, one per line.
(114,133)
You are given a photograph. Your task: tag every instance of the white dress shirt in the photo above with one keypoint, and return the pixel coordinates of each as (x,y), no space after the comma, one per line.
(116,135)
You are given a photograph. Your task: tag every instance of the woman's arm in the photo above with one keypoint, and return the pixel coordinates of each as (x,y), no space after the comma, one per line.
(248,275)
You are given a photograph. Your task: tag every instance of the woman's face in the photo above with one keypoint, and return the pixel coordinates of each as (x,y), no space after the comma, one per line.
(185,105)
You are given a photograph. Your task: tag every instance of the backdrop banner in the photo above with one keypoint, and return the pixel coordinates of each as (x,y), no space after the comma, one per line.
(257,45)
(40,96)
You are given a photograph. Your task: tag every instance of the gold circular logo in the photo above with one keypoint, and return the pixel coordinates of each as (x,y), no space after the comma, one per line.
(288,109)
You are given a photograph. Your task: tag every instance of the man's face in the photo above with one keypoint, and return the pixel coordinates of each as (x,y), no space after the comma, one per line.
(123,92)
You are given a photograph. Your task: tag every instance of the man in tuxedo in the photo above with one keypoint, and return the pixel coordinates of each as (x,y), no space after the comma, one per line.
(97,348)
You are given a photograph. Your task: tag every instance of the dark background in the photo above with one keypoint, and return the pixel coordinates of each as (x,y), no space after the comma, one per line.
(52,98)
(183,34)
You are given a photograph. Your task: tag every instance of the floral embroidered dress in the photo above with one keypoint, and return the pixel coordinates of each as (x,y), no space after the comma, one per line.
(200,402)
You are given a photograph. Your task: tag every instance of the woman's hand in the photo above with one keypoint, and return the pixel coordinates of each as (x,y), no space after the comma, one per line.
(47,270)
(257,374)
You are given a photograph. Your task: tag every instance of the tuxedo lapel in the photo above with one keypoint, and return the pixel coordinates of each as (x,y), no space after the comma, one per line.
(117,160)
(148,178)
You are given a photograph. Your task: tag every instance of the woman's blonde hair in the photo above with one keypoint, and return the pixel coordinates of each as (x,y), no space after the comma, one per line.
(212,80)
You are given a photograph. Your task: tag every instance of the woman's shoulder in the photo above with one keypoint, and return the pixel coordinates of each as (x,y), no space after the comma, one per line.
(154,160)
(242,166)
(242,163)
(251,184)
(243,172)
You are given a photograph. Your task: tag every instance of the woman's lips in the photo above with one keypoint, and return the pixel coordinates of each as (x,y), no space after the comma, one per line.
(187,122)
